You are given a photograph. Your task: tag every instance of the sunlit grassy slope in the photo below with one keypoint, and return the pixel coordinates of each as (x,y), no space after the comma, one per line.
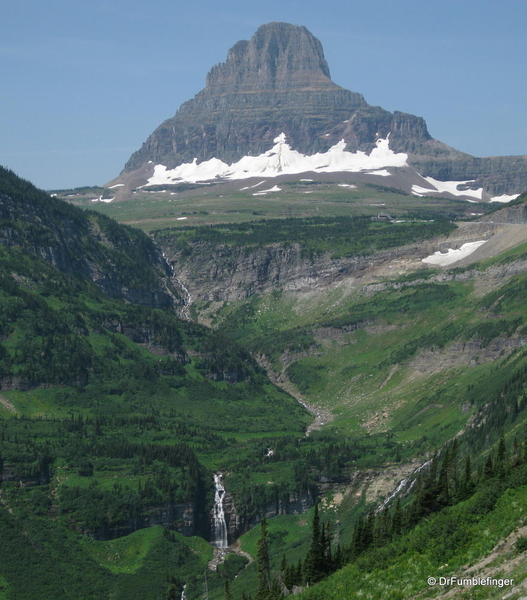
(230,203)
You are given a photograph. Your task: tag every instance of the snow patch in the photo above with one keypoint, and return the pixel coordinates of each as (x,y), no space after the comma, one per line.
(275,188)
(449,187)
(101,199)
(504,198)
(250,187)
(380,173)
(281,159)
(451,255)
(116,186)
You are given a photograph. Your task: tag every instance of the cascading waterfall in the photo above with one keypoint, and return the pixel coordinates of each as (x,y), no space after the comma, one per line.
(219,532)
(187,299)
(403,486)
(183,595)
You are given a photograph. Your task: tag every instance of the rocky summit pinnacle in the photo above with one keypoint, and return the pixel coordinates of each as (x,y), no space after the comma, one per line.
(279,56)
(279,82)
(276,82)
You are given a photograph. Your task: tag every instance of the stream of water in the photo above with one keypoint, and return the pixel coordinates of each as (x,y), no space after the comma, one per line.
(219,532)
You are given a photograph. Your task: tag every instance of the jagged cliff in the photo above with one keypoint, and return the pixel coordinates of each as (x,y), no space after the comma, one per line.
(222,272)
(120,260)
(279,81)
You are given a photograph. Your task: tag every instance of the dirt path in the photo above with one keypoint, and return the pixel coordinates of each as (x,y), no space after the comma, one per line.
(6,404)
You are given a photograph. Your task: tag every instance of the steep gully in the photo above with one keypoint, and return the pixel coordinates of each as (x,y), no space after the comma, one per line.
(225,280)
(229,277)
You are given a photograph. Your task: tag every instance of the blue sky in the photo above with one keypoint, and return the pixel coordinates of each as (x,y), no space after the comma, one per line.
(84,83)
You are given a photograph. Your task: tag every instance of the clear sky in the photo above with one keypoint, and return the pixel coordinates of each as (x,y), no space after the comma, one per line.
(83,84)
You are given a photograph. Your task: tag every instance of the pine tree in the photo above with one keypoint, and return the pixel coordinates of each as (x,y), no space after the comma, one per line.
(172,592)
(488,469)
(501,466)
(314,563)
(466,487)
(443,483)
(397,518)
(263,563)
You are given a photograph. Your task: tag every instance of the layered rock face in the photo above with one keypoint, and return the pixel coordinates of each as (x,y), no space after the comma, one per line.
(279,81)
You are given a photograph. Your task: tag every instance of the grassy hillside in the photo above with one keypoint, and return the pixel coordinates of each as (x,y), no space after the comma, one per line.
(242,201)
(114,413)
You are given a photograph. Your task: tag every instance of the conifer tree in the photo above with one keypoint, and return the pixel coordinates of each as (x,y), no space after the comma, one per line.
(315,559)
(488,469)
(501,466)
(397,518)
(263,563)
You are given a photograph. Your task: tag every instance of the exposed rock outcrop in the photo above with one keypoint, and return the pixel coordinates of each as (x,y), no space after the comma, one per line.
(515,214)
(179,517)
(238,523)
(225,273)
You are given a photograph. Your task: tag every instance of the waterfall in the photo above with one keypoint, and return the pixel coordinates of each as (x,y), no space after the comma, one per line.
(187,299)
(219,533)
(183,595)
(403,485)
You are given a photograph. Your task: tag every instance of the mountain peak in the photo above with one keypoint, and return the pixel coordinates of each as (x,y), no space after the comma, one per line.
(279,82)
(278,56)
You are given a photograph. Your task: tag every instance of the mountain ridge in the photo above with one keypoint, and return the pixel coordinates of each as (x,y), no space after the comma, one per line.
(279,82)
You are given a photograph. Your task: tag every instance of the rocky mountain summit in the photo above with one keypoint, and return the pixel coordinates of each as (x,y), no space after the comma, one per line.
(279,82)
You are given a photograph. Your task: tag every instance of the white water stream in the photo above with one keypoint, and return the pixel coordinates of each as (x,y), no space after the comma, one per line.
(404,485)
(187,299)
(219,533)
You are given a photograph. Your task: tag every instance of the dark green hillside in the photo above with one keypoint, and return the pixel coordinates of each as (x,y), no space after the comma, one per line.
(341,236)
(113,413)
(122,261)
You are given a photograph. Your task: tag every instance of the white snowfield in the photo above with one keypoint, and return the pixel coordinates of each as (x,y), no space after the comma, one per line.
(275,188)
(101,199)
(281,159)
(504,198)
(450,187)
(451,255)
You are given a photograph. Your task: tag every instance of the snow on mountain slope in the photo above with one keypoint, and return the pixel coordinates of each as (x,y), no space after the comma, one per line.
(452,255)
(281,159)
